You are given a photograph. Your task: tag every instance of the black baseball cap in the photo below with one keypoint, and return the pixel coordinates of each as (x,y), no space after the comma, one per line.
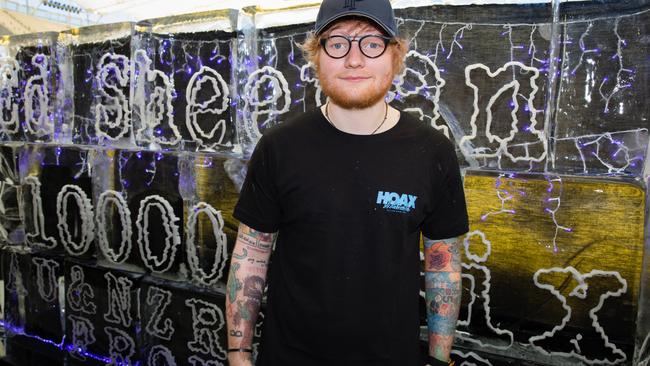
(379,11)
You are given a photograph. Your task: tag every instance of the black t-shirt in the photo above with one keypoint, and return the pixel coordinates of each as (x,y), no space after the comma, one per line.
(343,284)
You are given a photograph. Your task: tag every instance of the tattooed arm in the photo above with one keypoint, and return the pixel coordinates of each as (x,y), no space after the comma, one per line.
(244,291)
(443,293)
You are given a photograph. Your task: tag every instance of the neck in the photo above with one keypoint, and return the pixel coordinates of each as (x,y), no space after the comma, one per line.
(360,121)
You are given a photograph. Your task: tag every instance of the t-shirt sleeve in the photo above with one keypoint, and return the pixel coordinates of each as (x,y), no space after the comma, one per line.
(447,217)
(258,205)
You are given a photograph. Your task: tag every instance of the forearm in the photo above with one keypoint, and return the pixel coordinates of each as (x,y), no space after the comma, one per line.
(246,282)
(443,293)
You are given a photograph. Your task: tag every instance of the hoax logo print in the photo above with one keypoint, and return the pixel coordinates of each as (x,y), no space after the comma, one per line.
(396,202)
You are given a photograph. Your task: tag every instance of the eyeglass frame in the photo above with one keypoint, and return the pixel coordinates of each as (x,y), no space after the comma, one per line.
(387,41)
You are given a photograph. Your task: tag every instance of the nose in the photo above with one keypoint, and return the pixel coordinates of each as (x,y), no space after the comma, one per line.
(354,58)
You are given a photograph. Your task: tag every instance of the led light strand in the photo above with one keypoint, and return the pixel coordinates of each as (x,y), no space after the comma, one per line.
(583,48)
(504,196)
(458,35)
(554,199)
(532,49)
(616,163)
(440,46)
(620,83)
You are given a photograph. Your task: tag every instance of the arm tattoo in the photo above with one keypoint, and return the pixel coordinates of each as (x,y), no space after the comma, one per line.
(243,255)
(234,284)
(246,282)
(443,293)
(256,240)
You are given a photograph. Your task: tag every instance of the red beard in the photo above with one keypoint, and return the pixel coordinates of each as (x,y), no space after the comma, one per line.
(354,100)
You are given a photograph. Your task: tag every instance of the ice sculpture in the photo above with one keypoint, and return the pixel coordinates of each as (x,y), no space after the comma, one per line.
(501,119)
(182,91)
(56,204)
(131,233)
(573,288)
(137,196)
(101,314)
(603,132)
(418,89)
(182,327)
(494,111)
(11,229)
(96,63)
(30,87)
(209,225)
(276,82)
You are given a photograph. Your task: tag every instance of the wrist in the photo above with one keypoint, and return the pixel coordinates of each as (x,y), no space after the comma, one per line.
(240,350)
(432,361)
(237,357)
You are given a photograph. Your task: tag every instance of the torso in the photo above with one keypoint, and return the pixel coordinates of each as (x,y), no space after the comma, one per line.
(345,272)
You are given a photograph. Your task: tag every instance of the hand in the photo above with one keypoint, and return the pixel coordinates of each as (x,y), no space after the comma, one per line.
(240,359)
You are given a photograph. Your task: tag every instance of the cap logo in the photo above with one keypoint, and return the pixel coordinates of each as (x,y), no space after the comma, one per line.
(350,4)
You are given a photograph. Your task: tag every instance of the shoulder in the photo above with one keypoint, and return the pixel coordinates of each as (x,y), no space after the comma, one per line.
(426,134)
(294,126)
(290,135)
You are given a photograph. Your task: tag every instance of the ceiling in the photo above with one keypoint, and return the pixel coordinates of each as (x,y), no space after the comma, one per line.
(109,11)
(36,14)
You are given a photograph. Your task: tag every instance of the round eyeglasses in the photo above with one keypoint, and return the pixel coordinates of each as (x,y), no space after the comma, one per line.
(371,46)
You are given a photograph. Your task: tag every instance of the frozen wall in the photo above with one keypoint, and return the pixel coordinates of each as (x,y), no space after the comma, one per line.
(124,148)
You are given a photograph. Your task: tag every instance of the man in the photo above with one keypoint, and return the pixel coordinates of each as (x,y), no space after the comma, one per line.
(347,191)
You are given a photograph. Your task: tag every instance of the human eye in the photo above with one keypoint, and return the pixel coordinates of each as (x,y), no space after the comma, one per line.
(373,43)
(337,43)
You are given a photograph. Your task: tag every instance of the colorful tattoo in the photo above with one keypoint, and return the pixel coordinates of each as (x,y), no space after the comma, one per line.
(243,313)
(443,293)
(440,346)
(440,256)
(256,240)
(241,256)
(234,284)
(246,283)
(254,287)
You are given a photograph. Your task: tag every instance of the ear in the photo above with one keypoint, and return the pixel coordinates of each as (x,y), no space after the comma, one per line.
(398,52)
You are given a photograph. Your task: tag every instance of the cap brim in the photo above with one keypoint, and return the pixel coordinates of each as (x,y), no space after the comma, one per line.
(355,13)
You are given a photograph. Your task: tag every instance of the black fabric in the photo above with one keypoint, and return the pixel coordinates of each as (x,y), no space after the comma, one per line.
(379,11)
(436,362)
(344,276)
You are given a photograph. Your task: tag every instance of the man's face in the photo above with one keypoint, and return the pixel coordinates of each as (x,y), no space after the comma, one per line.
(355,81)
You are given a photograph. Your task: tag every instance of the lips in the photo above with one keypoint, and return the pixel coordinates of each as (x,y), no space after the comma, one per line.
(355,78)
